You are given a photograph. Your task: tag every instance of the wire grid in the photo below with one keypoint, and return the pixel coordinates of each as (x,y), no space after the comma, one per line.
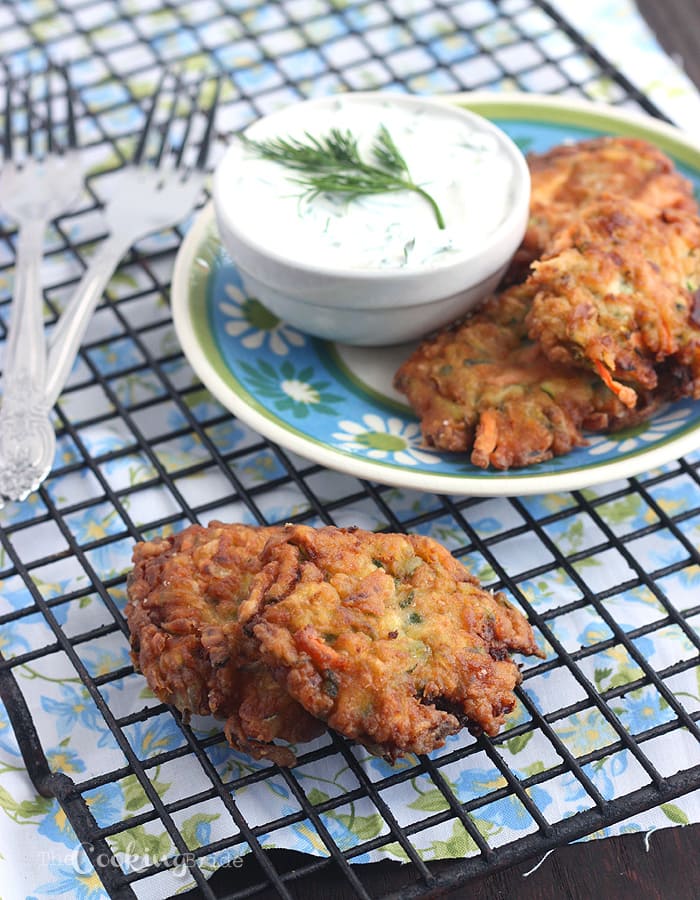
(124,46)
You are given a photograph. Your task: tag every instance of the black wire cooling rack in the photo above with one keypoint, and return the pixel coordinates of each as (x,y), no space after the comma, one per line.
(549,65)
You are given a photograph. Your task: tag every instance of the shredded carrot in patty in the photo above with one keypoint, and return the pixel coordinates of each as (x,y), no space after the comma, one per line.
(486,438)
(627,395)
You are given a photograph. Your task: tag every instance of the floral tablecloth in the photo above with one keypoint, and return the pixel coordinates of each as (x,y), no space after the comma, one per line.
(39,853)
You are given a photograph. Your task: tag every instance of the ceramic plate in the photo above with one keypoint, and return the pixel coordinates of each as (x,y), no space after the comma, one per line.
(334,404)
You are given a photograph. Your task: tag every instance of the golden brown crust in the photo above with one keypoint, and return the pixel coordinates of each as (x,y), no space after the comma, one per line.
(615,293)
(568,177)
(598,327)
(185,593)
(385,637)
(482,386)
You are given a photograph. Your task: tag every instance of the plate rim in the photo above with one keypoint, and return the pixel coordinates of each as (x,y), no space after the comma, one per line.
(393,474)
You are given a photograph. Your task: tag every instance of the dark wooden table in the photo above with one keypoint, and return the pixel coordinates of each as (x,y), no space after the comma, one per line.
(676,24)
(667,866)
(664,867)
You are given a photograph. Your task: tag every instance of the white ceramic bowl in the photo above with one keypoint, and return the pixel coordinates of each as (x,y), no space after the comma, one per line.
(366,306)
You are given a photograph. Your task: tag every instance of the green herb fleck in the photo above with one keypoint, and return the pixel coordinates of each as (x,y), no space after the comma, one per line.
(415,618)
(330,683)
(332,165)
(407,600)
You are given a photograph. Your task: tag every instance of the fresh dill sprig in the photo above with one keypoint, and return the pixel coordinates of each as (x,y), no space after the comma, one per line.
(333,165)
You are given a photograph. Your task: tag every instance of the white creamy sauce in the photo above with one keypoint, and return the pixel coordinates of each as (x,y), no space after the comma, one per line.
(464,168)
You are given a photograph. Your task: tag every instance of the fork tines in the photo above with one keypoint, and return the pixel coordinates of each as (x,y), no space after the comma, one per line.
(24,86)
(169,149)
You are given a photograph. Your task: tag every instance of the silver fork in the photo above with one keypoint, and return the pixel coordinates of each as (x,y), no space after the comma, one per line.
(33,191)
(147,198)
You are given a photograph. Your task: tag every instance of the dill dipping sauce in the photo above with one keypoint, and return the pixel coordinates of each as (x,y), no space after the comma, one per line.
(375,269)
(465,168)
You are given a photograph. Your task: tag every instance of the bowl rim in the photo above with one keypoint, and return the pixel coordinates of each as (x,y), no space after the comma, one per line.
(465,257)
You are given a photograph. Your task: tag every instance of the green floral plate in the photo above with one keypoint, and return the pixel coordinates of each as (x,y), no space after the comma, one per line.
(334,404)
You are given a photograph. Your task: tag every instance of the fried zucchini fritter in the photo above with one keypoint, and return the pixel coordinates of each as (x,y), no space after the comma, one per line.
(184,598)
(616,293)
(568,177)
(386,637)
(598,328)
(482,385)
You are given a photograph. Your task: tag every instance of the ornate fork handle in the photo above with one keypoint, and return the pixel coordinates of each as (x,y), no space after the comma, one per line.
(27,439)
